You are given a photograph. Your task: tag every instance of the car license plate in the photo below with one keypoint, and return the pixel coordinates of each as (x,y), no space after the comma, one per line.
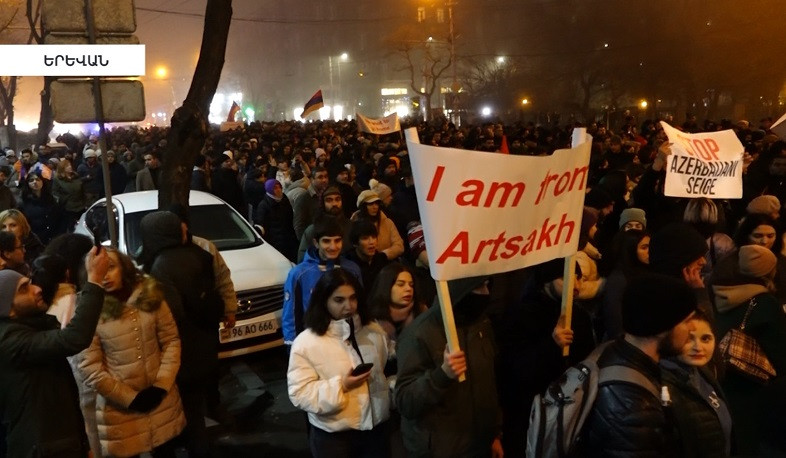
(247,331)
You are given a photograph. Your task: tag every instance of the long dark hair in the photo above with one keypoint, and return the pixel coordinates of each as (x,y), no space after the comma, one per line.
(379,294)
(317,316)
(753,221)
(48,272)
(624,254)
(46,189)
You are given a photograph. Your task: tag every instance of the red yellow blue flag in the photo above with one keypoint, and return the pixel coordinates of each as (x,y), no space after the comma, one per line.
(313,104)
(232,112)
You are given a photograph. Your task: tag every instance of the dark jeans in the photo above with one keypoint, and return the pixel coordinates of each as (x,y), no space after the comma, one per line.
(352,443)
(194,397)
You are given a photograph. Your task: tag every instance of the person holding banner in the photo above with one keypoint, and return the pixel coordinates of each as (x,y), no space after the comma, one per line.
(441,417)
(533,336)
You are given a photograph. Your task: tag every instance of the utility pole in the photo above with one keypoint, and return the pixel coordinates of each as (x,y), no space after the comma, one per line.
(454,87)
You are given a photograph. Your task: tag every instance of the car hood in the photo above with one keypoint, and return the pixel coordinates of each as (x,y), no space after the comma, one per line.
(257,267)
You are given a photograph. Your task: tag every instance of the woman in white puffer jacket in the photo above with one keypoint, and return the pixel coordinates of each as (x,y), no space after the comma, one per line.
(132,364)
(348,413)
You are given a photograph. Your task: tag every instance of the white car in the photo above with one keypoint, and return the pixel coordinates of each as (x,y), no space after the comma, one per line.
(258,270)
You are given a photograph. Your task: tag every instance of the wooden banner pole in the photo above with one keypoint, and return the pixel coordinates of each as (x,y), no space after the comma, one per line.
(569,271)
(446,306)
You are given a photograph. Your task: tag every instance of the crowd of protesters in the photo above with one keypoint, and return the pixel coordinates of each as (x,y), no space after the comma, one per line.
(660,278)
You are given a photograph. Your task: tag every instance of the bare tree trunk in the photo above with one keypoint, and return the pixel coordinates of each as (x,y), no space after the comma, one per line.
(190,126)
(46,121)
(10,113)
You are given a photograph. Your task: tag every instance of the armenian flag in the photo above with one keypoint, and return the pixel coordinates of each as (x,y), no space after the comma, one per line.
(313,104)
(232,112)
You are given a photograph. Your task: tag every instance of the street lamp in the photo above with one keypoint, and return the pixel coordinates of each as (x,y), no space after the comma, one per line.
(643,104)
(343,57)
(525,101)
(501,59)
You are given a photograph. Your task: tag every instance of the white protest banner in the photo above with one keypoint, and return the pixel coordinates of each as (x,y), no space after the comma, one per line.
(387,125)
(704,165)
(485,213)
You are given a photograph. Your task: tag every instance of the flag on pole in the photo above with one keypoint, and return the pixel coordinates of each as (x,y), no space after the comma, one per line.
(233,111)
(503,148)
(313,104)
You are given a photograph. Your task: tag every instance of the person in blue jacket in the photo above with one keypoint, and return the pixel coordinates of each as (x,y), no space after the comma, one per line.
(323,256)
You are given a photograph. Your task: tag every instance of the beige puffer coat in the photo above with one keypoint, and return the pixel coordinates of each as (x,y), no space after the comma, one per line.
(136,350)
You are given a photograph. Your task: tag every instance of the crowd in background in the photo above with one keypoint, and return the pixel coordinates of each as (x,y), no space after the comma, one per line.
(661,278)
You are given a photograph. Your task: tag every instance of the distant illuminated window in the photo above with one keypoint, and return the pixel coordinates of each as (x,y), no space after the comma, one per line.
(393,91)
(421,13)
(440,15)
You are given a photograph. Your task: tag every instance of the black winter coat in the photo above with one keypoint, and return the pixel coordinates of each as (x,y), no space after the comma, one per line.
(277,220)
(441,417)
(39,400)
(696,422)
(45,217)
(227,187)
(531,360)
(627,420)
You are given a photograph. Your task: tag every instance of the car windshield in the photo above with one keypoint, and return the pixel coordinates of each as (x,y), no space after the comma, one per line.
(217,223)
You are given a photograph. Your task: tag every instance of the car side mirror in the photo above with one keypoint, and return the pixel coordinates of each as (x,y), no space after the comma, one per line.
(260,230)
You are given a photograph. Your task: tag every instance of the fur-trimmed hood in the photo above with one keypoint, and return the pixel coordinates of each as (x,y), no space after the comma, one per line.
(147,297)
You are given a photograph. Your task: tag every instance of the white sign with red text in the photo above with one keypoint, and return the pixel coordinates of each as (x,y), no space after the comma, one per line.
(387,125)
(485,213)
(704,165)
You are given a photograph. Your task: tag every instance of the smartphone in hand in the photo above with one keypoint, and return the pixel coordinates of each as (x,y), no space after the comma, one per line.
(361,369)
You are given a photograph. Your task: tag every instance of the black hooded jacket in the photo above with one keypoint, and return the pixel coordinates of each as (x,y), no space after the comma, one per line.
(186,272)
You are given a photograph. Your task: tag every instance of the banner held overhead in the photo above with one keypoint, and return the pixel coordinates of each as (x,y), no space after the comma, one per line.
(704,165)
(535,203)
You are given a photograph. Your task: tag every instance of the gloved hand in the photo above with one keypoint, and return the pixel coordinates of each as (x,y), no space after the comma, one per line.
(147,399)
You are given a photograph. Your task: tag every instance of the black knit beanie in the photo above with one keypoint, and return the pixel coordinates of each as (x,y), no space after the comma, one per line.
(654,303)
(675,246)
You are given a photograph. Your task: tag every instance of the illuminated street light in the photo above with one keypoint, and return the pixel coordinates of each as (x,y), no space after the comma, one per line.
(501,59)
(643,104)
(486,111)
(249,114)
(525,101)
(344,56)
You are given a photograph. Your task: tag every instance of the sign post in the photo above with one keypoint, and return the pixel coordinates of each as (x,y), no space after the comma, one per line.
(79,22)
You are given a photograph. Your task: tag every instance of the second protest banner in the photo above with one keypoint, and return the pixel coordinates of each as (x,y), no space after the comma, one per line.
(387,125)
(704,165)
(485,213)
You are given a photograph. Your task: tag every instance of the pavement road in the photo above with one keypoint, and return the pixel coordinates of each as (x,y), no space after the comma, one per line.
(260,421)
